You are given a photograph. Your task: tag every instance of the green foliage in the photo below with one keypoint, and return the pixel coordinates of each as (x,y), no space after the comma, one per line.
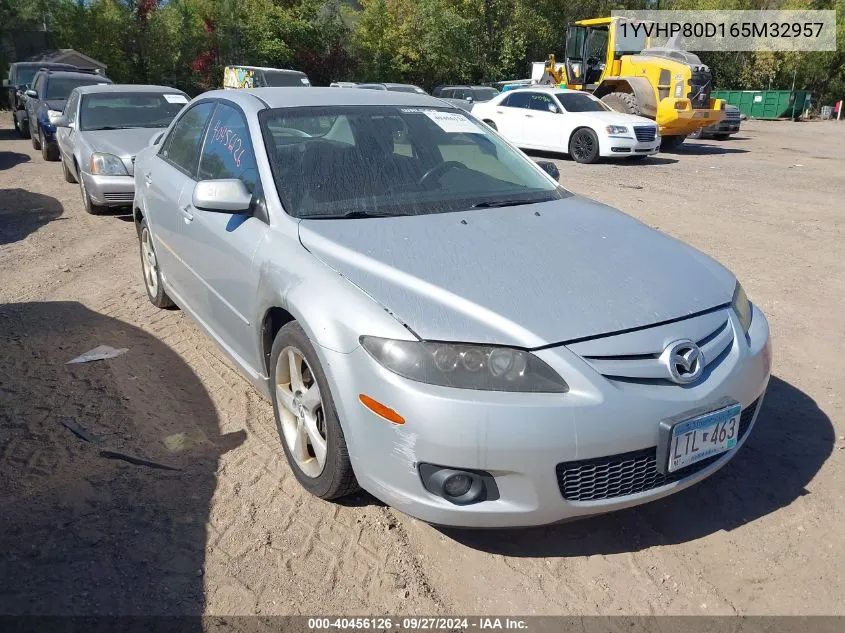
(186,43)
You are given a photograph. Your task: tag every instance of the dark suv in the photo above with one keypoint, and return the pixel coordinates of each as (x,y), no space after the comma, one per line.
(18,82)
(46,101)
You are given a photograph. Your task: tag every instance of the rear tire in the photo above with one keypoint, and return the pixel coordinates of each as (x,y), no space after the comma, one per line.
(623,102)
(150,269)
(584,146)
(671,143)
(23,128)
(36,145)
(335,478)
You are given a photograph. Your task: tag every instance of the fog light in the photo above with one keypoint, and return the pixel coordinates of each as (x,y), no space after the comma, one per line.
(457,485)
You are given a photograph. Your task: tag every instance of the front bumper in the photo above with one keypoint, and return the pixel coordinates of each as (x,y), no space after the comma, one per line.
(680,122)
(624,146)
(521,438)
(115,191)
(727,126)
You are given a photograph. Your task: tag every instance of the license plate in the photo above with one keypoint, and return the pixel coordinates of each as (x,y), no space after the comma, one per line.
(703,436)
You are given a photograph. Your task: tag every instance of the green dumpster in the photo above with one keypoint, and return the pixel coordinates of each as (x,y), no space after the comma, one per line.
(767,104)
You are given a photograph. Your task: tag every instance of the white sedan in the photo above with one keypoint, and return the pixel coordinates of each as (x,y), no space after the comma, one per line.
(568,121)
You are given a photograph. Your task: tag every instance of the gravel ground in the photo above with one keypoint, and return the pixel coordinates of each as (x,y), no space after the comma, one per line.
(229,531)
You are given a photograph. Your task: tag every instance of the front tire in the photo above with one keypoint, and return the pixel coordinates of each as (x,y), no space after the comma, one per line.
(67,173)
(23,129)
(149,266)
(671,143)
(623,102)
(90,207)
(584,146)
(48,152)
(36,145)
(306,417)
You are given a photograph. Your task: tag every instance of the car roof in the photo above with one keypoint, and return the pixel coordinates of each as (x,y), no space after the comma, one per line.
(45,65)
(118,88)
(293,97)
(76,73)
(278,70)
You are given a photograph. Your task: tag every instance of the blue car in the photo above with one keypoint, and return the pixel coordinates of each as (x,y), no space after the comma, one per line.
(45,102)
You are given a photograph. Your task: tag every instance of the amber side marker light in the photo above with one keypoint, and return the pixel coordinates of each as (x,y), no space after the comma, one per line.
(381,410)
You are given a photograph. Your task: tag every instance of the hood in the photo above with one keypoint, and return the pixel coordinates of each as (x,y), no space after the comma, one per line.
(124,143)
(613,118)
(524,276)
(56,104)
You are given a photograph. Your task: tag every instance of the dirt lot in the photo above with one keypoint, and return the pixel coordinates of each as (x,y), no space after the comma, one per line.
(231,532)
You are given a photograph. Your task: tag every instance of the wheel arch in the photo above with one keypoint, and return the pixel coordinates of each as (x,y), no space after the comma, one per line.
(639,87)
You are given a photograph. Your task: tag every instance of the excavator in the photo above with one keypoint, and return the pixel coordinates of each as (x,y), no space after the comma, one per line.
(617,64)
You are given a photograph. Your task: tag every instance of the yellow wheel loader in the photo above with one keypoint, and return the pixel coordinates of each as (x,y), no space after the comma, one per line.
(614,61)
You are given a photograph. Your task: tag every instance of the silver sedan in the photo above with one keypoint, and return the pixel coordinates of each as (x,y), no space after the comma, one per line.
(437,320)
(102,128)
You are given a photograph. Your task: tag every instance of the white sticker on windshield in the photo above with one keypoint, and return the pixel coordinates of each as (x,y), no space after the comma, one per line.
(176,98)
(452,122)
(305,81)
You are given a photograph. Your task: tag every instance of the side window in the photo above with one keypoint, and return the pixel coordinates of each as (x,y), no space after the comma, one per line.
(181,148)
(543,103)
(70,107)
(447,93)
(227,152)
(36,85)
(517,100)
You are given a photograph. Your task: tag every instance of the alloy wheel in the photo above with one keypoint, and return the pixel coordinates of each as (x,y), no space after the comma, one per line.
(583,146)
(149,262)
(301,412)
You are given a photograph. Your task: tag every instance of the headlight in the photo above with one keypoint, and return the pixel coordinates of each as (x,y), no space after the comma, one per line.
(742,306)
(679,90)
(482,367)
(107,165)
(53,116)
(616,129)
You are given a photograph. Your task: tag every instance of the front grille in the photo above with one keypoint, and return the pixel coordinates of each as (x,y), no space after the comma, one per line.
(628,473)
(701,83)
(645,133)
(733,114)
(126,197)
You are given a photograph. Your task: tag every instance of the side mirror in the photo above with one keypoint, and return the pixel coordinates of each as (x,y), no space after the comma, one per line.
(155,139)
(63,122)
(31,93)
(469,99)
(550,168)
(228,195)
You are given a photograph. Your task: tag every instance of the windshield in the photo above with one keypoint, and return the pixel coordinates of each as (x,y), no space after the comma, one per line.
(281,80)
(110,111)
(332,161)
(579,102)
(25,75)
(60,87)
(484,94)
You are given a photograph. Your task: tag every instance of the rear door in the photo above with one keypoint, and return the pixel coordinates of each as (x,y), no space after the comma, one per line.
(165,178)
(542,118)
(510,116)
(218,248)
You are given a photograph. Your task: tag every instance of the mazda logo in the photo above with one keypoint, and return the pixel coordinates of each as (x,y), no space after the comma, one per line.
(684,360)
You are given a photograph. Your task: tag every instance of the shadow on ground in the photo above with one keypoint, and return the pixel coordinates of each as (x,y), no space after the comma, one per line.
(84,534)
(790,441)
(11,159)
(9,134)
(23,212)
(622,162)
(702,148)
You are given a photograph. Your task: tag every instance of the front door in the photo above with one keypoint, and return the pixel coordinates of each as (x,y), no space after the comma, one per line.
(218,248)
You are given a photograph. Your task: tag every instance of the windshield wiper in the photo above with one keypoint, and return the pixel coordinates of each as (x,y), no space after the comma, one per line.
(108,127)
(352,215)
(491,204)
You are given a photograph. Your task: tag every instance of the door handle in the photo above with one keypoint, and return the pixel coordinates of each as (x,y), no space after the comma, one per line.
(186,213)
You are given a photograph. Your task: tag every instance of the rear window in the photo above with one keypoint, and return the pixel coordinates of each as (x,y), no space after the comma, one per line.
(60,87)
(282,80)
(484,94)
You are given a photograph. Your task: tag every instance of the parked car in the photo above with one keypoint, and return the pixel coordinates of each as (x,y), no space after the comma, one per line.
(568,121)
(260,77)
(102,129)
(393,87)
(724,128)
(46,101)
(435,318)
(18,82)
(465,96)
